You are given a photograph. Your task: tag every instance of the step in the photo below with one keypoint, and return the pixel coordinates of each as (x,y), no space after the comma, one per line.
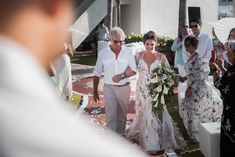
(84,53)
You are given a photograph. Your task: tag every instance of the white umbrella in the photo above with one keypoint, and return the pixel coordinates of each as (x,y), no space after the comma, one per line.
(222,28)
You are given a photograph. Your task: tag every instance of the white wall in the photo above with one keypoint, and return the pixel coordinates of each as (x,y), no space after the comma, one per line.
(209,12)
(161,16)
(130,17)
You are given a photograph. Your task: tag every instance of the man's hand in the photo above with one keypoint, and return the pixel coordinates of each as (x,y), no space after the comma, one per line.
(117,78)
(96,96)
(128,72)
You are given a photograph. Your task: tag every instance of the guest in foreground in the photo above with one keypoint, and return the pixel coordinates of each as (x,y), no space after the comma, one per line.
(34,121)
(63,75)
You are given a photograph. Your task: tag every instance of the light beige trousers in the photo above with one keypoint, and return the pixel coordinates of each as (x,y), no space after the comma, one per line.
(116,101)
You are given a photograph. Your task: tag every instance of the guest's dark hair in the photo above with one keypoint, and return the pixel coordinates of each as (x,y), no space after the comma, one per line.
(232,30)
(191,40)
(197,20)
(150,35)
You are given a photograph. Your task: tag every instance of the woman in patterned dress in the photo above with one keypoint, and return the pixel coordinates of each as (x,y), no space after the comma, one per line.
(147,129)
(202,103)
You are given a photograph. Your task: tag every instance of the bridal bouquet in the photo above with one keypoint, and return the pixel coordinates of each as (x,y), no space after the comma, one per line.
(162,83)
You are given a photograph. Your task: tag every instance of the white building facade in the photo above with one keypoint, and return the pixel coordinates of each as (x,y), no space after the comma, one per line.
(140,16)
(161,16)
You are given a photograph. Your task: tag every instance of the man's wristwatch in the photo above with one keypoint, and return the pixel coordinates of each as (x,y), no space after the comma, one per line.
(123,76)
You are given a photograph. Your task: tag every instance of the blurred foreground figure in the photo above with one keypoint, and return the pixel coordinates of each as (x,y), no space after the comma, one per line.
(34,122)
(63,76)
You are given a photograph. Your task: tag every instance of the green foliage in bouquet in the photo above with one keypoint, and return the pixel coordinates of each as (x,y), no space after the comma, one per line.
(163,44)
(161,87)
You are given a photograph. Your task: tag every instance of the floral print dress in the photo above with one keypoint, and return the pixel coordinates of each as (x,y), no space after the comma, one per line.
(153,133)
(204,103)
(226,85)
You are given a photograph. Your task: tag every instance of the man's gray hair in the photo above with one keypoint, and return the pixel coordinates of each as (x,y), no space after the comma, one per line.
(231,45)
(117,30)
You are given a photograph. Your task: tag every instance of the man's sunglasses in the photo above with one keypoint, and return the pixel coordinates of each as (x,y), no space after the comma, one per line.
(192,26)
(117,41)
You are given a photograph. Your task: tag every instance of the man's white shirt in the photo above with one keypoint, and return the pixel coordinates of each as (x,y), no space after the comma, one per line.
(109,65)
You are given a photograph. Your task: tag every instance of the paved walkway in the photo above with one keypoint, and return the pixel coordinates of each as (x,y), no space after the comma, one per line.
(80,71)
(82,82)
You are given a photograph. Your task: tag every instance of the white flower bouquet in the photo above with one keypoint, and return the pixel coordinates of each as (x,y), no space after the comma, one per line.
(161,87)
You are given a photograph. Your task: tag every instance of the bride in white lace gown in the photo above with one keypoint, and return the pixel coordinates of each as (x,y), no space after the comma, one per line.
(152,133)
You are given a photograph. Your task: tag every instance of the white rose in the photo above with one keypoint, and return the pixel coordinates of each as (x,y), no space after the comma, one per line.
(156,97)
(164,77)
(162,99)
(154,80)
(171,83)
(159,89)
(165,90)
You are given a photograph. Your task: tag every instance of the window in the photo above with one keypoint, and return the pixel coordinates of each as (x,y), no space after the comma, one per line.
(194,12)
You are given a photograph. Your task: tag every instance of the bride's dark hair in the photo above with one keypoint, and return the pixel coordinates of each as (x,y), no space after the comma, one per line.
(150,35)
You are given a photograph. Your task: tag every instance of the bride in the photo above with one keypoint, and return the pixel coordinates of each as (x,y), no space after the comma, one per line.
(147,129)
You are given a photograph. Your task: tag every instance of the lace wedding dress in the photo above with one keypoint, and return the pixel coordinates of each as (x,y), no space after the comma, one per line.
(152,133)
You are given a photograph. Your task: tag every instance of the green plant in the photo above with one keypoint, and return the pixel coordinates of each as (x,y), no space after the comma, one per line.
(132,38)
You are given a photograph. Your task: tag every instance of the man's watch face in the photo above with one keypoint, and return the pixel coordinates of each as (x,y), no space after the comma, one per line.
(123,76)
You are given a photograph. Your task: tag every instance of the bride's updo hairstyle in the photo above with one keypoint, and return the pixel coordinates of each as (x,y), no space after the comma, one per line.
(150,35)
